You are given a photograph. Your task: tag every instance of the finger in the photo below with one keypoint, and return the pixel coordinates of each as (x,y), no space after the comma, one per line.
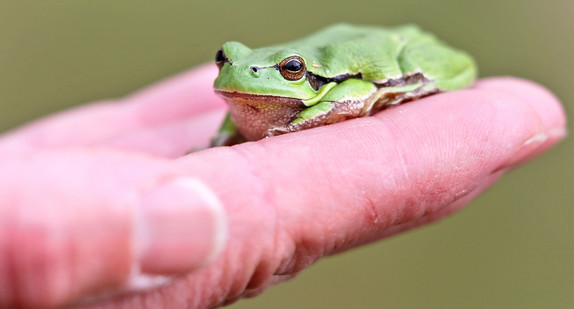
(350,180)
(294,198)
(181,97)
(172,140)
(78,223)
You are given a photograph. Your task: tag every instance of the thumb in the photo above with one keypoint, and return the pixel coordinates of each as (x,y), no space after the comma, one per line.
(77,223)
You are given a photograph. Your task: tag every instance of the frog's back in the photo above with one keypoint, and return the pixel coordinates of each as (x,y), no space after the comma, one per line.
(379,54)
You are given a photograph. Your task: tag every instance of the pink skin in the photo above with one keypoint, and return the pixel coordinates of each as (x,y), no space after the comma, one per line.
(89,194)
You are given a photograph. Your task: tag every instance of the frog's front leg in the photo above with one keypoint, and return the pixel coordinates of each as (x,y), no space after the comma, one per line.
(227,135)
(344,101)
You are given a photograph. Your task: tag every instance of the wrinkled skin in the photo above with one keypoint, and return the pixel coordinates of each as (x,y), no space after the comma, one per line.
(400,169)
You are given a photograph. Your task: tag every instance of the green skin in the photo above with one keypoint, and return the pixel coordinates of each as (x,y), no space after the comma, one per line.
(348,72)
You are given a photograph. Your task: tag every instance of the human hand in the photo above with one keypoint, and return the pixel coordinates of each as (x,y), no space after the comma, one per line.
(289,200)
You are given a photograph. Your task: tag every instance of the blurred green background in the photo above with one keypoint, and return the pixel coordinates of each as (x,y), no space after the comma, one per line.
(512,248)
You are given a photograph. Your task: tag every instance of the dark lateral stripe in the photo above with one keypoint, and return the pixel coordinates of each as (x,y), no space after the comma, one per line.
(317,81)
(405,80)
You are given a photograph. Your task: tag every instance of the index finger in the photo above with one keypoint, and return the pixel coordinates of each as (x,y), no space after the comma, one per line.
(294,198)
(333,186)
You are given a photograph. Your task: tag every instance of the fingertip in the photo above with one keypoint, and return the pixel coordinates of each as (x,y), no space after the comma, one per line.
(189,85)
(541,99)
(183,96)
(545,105)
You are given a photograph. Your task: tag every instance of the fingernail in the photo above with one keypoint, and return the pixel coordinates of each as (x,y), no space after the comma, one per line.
(524,150)
(533,147)
(181,228)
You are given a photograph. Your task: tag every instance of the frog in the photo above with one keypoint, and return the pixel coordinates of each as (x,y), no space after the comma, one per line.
(341,72)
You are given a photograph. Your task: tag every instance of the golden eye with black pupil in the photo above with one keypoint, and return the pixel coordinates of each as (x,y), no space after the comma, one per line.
(220,58)
(292,68)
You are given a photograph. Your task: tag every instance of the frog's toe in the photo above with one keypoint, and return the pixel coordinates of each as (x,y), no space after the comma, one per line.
(274,131)
(225,139)
(271,132)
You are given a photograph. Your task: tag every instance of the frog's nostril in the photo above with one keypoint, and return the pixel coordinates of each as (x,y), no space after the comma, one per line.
(254,71)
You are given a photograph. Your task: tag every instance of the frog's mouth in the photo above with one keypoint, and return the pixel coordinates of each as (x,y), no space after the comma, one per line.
(254,114)
(270,99)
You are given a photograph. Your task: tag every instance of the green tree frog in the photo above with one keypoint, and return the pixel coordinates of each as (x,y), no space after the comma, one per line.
(341,72)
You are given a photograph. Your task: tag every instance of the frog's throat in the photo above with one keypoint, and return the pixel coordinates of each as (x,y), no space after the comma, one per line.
(254,114)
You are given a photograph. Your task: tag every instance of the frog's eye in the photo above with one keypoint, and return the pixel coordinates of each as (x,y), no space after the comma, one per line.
(220,58)
(292,68)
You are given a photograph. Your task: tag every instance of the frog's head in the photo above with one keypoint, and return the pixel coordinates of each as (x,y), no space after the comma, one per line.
(263,87)
(266,71)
